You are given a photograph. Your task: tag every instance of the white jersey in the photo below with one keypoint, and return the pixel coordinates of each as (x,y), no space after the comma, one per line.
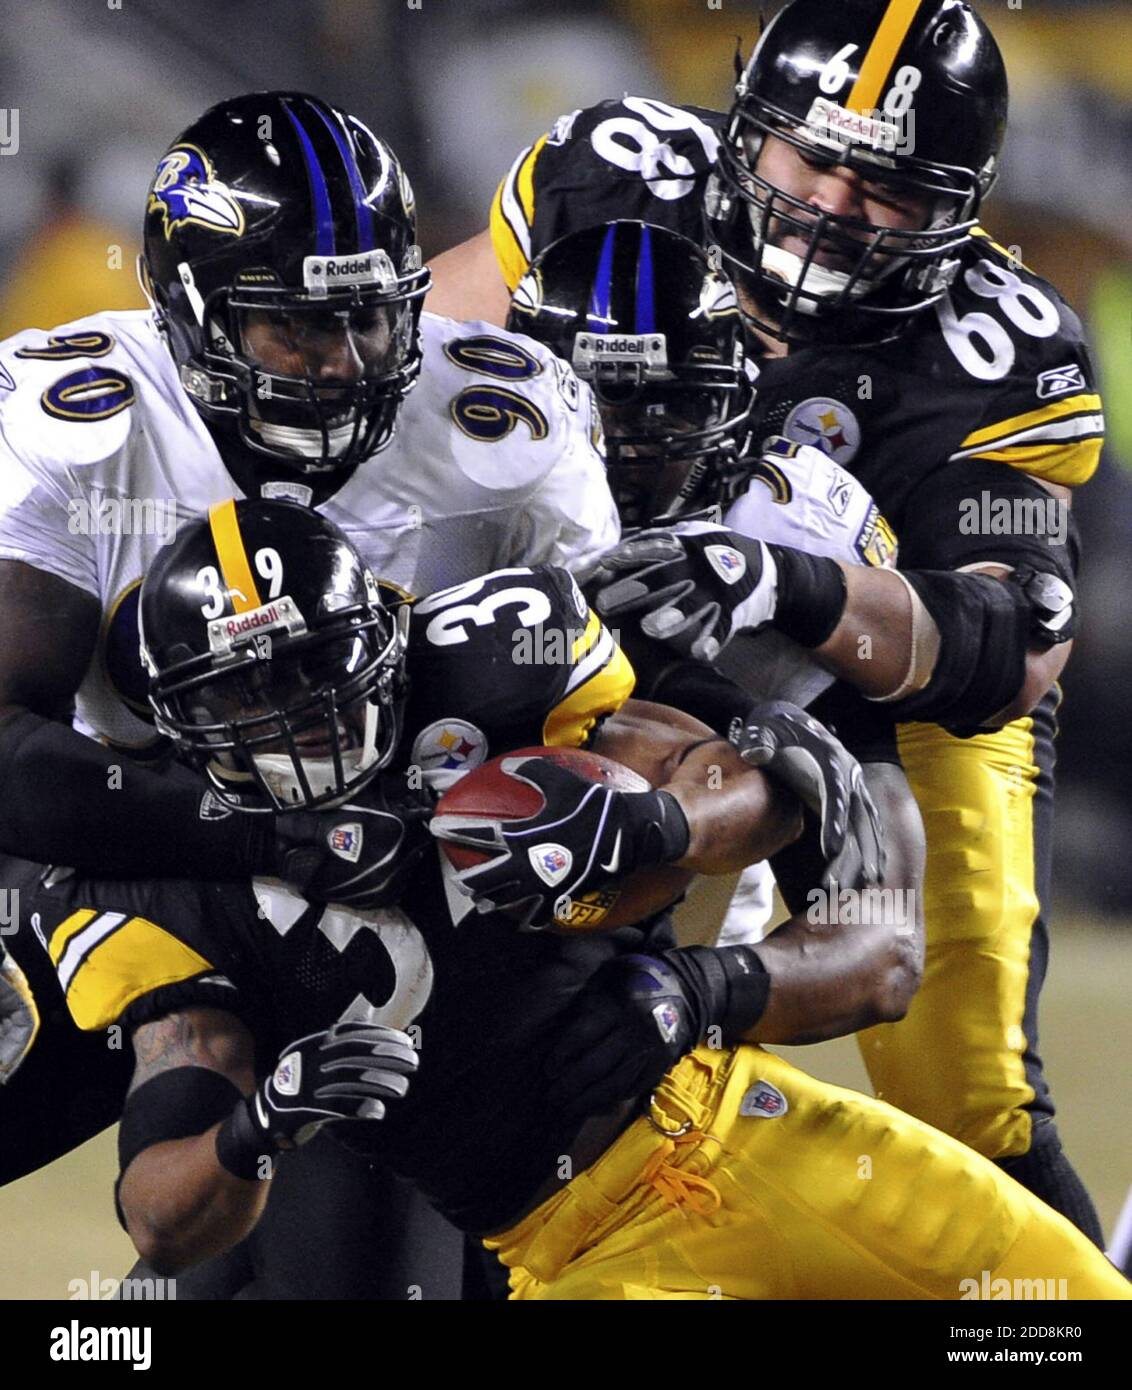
(801,498)
(494,462)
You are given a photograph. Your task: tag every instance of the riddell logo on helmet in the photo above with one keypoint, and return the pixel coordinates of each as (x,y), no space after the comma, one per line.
(323,272)
(362,266)
(258,617)
(832,124)
(603,347)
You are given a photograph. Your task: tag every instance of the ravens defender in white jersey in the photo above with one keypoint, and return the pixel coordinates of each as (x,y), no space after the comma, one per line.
(711,1171)
(843,190)
(287,356)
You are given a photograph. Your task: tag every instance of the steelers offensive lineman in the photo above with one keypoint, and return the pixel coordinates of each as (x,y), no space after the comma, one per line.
(727,1173)
(889,329)
(287,357)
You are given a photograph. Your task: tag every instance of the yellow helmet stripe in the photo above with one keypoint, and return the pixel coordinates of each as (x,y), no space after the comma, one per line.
(238,578)
(878,61)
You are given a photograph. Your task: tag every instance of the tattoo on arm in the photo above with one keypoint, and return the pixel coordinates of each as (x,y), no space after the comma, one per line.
(197,1037)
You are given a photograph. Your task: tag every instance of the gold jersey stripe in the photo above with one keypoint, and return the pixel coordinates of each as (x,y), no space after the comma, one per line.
(1056,410)
(513,213)
(585,640)
(525,182)
(136,959)
(571,721)
(1068,465)
(877,65)
(238,577)
(1006,251)
(505,244)
(71,926)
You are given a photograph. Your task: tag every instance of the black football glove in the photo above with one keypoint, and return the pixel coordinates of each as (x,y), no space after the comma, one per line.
(360,854)
(639,1014)
(346,1072)
(633,1021)
(794,749)
(692,589)
(586,838)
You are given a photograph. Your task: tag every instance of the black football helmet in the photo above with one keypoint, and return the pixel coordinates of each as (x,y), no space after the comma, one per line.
(280,255)
(642,316)
(911,95)
(275,668)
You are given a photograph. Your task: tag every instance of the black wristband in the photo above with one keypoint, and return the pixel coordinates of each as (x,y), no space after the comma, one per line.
(748,990)
(811,595)
(729,984)
(240,1146)
(665,835)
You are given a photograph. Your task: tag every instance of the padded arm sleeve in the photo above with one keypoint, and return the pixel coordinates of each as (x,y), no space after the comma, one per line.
(68,800)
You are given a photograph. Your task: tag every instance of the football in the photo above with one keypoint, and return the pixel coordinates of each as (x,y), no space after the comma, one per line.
(490,791)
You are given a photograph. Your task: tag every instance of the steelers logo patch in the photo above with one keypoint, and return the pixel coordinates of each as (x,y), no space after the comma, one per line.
(827,425)
(449,745)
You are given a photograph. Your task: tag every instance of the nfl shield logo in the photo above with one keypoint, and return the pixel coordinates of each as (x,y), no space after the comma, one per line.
(346,841)
(764,1101)
(667,1020)
(288,1075)
(727,562)
(551,862)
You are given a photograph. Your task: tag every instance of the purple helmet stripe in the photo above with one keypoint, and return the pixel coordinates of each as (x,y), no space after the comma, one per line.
(320,194)
(363,213)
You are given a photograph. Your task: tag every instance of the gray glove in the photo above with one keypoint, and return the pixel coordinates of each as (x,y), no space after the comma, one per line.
(801,754)
(19,1018)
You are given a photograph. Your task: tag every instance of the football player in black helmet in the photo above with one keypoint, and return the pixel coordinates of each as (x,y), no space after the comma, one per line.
(893,333)
(286,356)
(642,317)
(851,171)
(298,332)
(328,648)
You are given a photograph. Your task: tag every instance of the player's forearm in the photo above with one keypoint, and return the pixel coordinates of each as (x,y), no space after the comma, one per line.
(880,636)
(949,647)
(181,1206)
(736,815)
(827,981)
(847,960)
(69,800)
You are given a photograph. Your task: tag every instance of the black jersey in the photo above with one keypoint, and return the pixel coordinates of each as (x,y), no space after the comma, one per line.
(514,659)
(992,388)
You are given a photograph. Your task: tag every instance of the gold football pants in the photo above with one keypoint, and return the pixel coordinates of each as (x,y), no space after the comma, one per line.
(749,1179)
(965,1057)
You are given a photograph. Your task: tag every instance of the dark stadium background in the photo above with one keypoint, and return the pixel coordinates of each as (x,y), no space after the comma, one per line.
(458,87)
